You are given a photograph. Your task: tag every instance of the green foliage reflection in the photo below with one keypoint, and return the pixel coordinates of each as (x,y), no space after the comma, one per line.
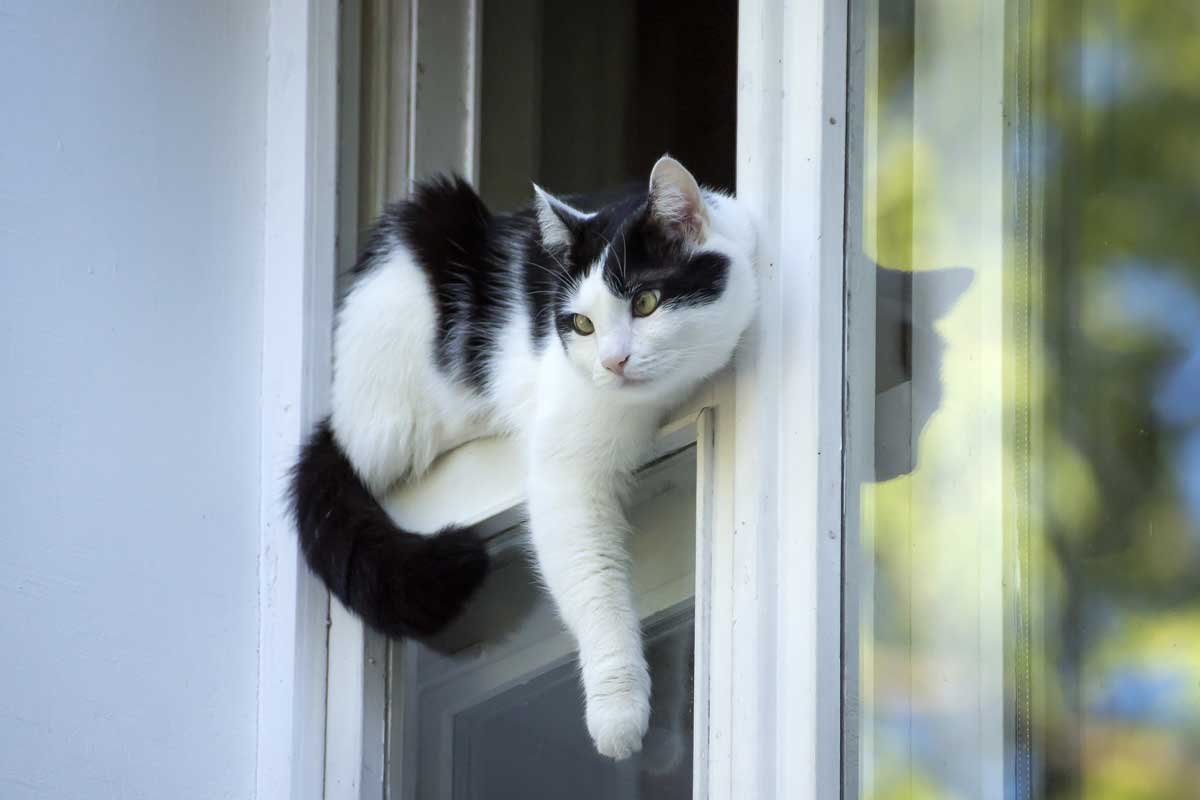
(1037,574)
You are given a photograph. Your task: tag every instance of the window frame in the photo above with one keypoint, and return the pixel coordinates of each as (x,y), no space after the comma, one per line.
(769,601)
(298,266)
(787,457)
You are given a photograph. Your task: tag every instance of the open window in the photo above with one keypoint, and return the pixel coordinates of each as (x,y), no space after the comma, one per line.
(580,99)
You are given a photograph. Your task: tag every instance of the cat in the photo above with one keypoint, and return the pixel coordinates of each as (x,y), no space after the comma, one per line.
(574,330)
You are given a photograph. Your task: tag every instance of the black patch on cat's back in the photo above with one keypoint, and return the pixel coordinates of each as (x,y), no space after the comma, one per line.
(457,243)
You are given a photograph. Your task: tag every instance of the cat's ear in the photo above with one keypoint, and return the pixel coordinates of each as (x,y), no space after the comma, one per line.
(676,204)
(940,289)
(559,222)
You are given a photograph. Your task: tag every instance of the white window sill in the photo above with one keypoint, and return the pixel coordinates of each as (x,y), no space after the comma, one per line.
(494,469)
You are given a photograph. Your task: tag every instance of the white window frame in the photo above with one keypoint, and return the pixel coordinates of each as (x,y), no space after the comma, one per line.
(298,254)
(769,683)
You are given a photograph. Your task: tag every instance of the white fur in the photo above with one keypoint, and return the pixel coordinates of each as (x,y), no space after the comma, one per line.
(585,430)
(393,410)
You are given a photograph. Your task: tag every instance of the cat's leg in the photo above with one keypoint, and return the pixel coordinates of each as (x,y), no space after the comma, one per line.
(579,530)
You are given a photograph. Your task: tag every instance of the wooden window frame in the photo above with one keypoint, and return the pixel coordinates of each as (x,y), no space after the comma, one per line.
(769,548)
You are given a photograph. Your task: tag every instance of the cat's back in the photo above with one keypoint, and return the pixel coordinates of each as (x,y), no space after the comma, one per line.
(466,255)
(418,331)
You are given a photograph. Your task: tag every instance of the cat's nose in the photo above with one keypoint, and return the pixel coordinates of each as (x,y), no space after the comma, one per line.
(615,364)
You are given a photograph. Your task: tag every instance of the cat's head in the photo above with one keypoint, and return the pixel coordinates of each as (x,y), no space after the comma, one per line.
(654,291)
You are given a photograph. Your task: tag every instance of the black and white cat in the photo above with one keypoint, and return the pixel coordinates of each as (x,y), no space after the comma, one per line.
(576,331)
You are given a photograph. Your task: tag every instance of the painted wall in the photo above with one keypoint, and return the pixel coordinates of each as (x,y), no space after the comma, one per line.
(131,238)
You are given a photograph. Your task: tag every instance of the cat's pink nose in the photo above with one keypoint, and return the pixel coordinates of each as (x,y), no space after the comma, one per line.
(615,364)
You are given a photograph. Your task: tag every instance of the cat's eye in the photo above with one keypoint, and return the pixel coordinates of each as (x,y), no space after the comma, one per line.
(645,303)
(582,325)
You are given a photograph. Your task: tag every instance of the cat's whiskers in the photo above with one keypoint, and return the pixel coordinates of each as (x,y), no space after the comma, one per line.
(565,271)
(543,293)
(624,253)
(561,273)
(613,250)
(569,284)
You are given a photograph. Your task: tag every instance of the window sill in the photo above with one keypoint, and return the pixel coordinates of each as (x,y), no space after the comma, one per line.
(494,469)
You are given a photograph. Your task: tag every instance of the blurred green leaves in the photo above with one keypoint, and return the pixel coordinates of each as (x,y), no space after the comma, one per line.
(1044,542)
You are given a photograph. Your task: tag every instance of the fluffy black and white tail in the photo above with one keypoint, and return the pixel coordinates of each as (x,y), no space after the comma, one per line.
(400,583)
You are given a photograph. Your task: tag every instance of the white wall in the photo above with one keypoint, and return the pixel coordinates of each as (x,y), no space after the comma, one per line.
(131,241)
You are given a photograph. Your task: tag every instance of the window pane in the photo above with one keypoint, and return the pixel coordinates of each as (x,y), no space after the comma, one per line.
(493,707)
(508,757)
(1023,440)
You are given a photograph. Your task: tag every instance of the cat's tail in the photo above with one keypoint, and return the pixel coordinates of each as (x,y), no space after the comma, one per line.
(400,583)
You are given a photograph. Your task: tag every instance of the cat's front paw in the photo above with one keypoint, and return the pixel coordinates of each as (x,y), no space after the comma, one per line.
(617,721)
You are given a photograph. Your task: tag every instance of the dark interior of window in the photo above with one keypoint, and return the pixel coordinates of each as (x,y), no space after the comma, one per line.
(583,97)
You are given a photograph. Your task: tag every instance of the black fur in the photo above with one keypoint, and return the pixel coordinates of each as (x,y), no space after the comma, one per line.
(462,249)
(642,255)
(651,261)
(400,583)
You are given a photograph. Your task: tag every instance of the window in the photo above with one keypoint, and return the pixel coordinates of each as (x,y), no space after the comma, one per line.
(1016,609)
(390,90)
(581,99)
(1022,474)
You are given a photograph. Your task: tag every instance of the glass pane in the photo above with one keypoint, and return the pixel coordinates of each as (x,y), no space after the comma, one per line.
(556,758)
(493,707)
(1023,434)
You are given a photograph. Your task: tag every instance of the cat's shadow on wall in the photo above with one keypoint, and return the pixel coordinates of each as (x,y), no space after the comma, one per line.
(909,359)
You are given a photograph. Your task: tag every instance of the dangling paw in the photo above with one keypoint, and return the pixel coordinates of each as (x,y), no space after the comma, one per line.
(617,719)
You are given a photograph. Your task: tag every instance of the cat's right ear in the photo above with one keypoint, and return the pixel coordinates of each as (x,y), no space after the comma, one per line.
(559,222)
(676,202)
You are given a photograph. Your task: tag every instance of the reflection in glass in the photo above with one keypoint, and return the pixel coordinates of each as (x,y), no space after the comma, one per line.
(1023,444)
(506,756)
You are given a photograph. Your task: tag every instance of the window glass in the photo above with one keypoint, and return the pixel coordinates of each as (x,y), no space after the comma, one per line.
(508,757)
(493,707)
(1023,408)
